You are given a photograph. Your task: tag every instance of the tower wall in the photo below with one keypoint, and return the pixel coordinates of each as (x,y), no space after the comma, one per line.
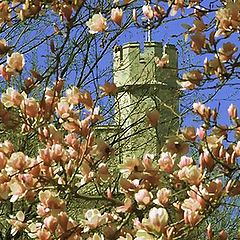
(144,87)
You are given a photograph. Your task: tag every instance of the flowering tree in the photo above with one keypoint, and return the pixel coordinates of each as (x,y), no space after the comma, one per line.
(54,158)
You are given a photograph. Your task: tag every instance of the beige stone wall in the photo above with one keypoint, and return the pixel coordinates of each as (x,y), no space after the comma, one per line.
(144,87)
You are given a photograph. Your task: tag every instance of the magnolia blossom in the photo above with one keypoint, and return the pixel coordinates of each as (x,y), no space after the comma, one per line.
(73,95)
(15,62)
(18,161)
(228,18)
(116,15)
(97,23)
(227,51)
(214,66)
(153,117)
(109,89)
(51,223)
(30,107)
(193,76)
(189,133)
(4,191)
(178,4)
(17,223)
(185,161)
(198,42)
(190,174)
(11,98)
(148,11)
(158,218)
(176,145)
(4,48)
(232,111)
(143,197)
(63,108)
(163,61)
(5,15)
(94,218)
(162,196)
(166,162)
(223,235)
(191,217)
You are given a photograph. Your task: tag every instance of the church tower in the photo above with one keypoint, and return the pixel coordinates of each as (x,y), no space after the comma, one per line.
(144,87)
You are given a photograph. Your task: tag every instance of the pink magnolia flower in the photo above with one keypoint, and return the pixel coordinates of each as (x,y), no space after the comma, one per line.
(73,95)
(158,11)
(116,15)
(18,161)
(232,111)
(178,4)
(191,204)
(209,232)
(17,223)
(189,133)
(63,220)
(162,196)
(206,160)
(166,162)
(185,161)
(201,109)
(223,235)
(3,72)
(51,201)
(97,23)
(176,145)
(43,234)
(11,98)
(163,61)
(190,174)
(30,107)
(95,218)
(15,62)
(143,197)
(4,191)
(4,48)
(109,89)
(227,51)
(63,108)
(17,189)
(51,223)
(158,218)
(198,42)
(191,217)
(148,11)
(3,160)
(201,133)
(193,76)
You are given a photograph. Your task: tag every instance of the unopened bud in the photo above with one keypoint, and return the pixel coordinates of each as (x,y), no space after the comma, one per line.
(232,111)
(223,235)
(209,232)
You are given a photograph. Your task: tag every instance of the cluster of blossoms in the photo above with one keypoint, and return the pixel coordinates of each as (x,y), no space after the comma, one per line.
(204,41)
(154,198)
(30,9)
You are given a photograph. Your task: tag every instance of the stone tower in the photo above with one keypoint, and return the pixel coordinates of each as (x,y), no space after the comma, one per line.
(144,87)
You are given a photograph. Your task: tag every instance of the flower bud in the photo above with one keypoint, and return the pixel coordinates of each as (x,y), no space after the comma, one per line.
(143,197)
(223,235)
(232,111)
(116,16)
